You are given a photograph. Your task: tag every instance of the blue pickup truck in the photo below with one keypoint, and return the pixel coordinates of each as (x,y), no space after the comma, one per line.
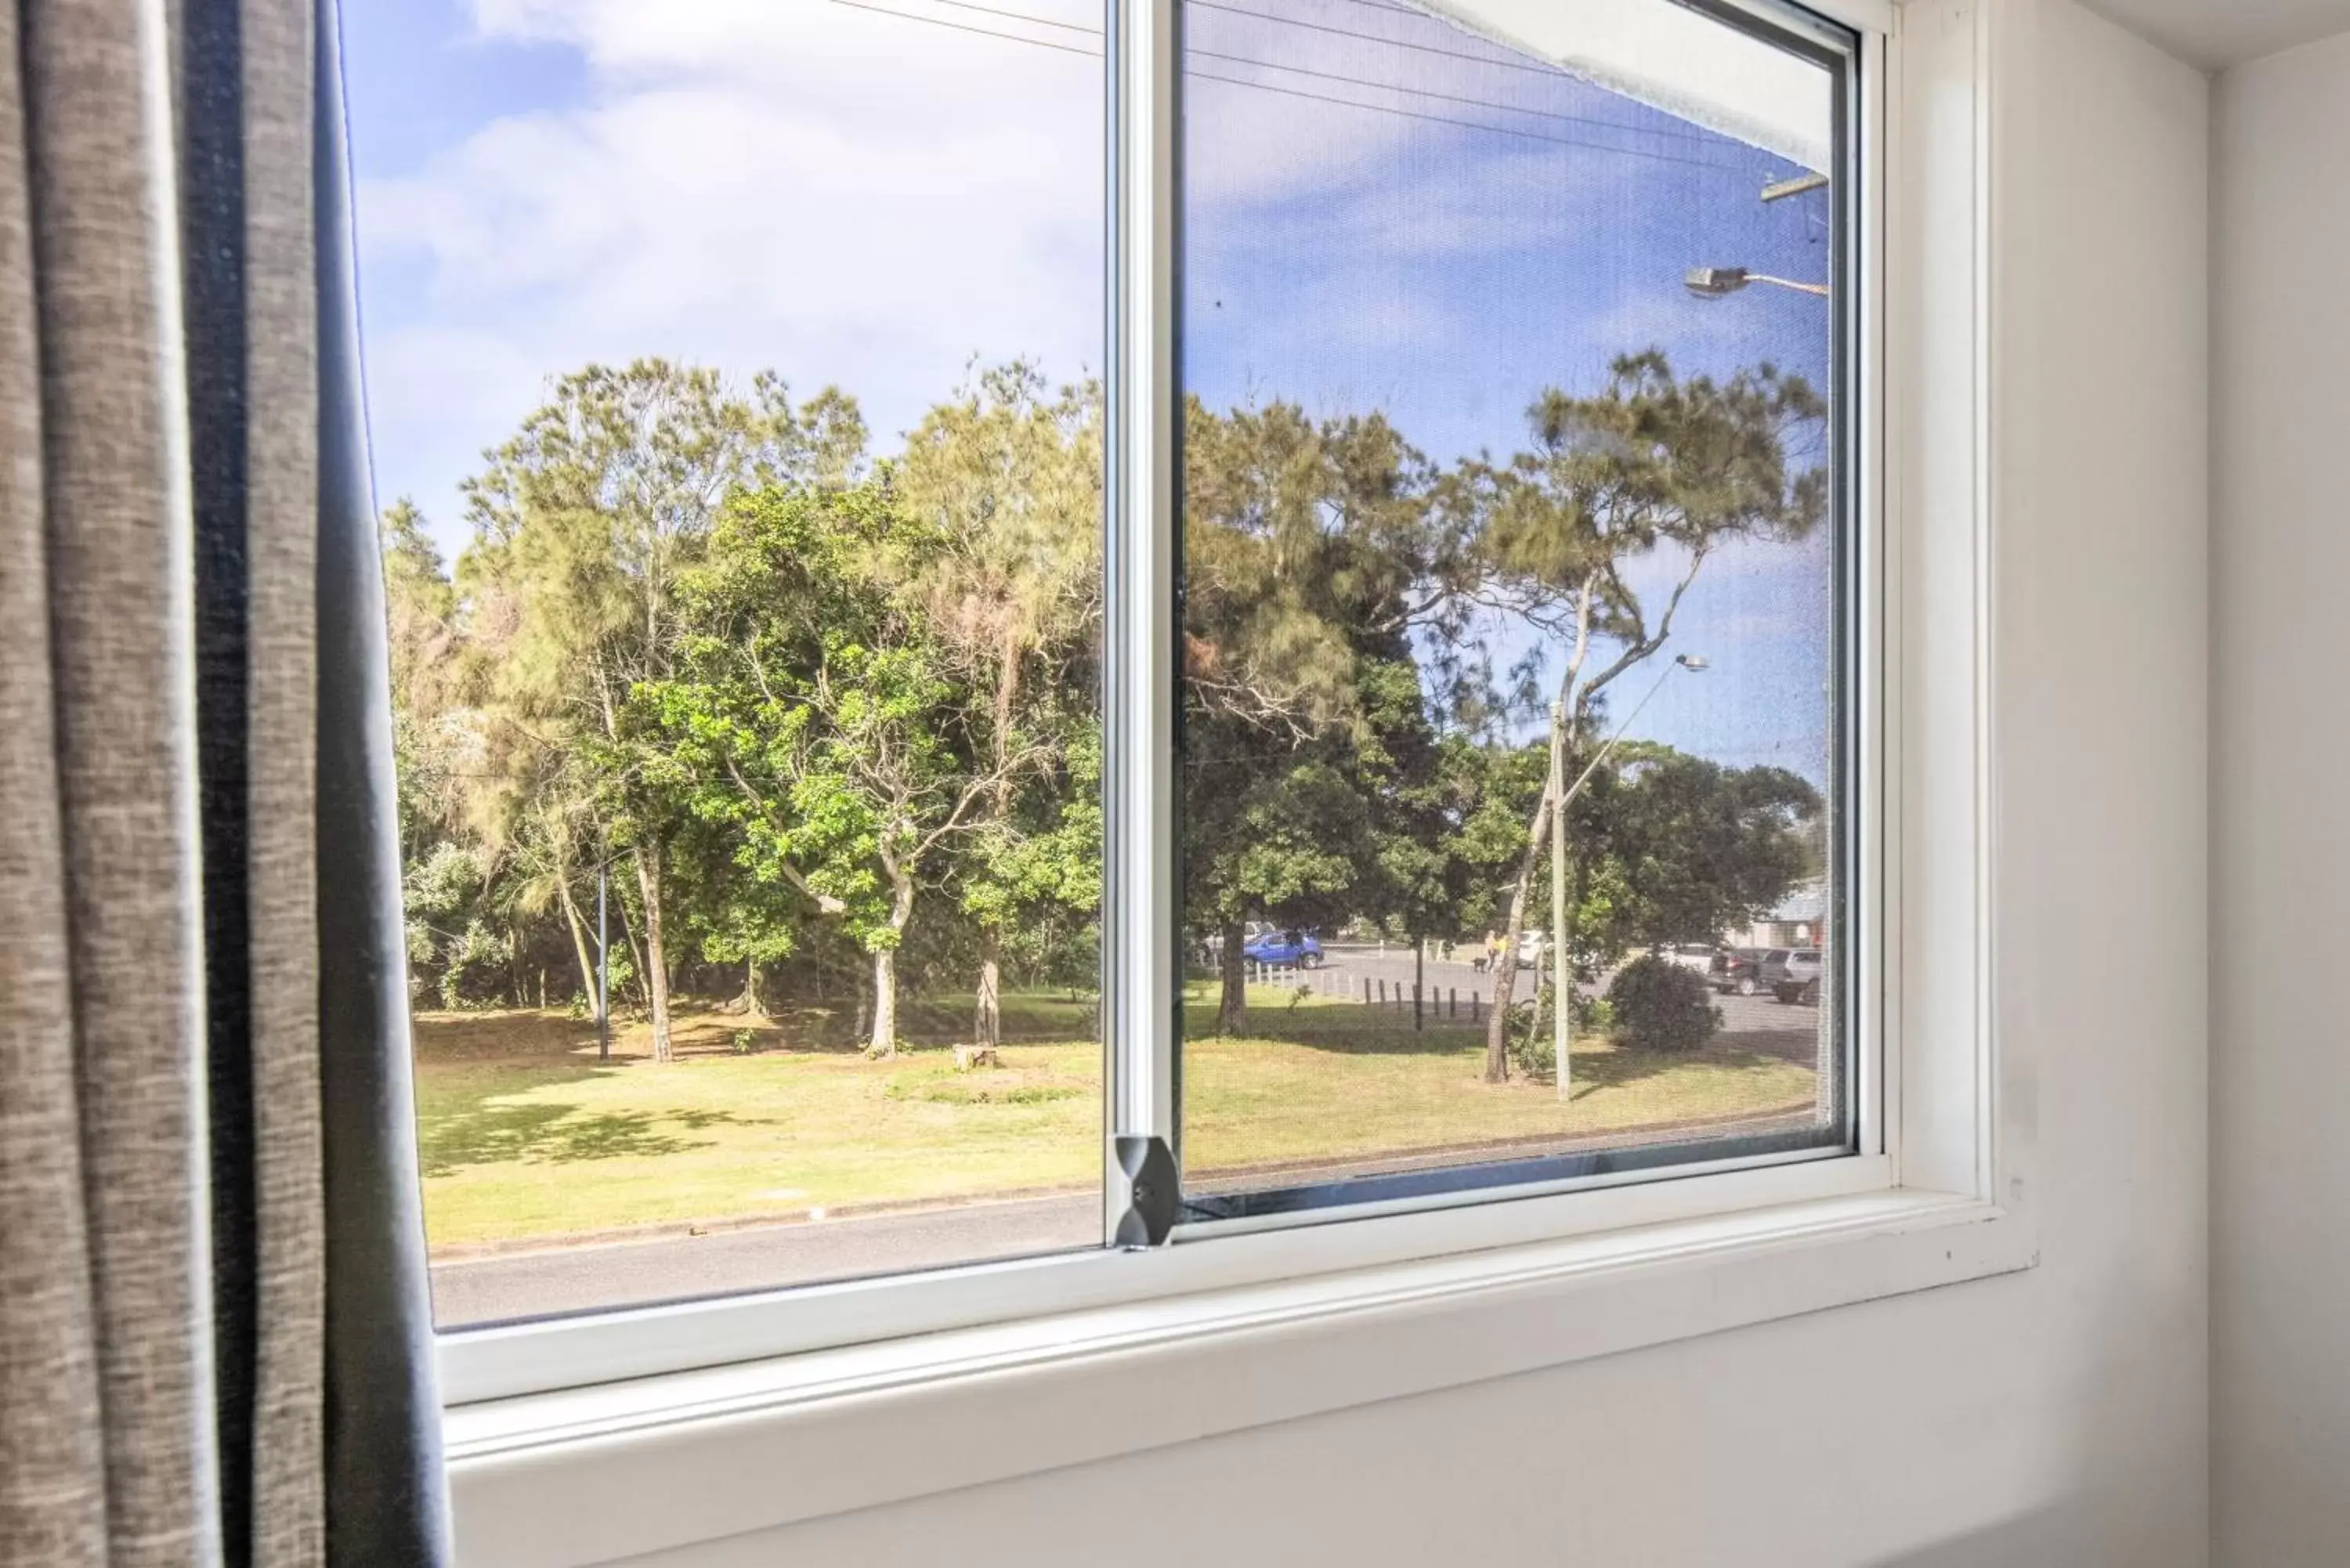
(1302,949)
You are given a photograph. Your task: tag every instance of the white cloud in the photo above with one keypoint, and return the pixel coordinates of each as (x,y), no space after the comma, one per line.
(840,196)
(850,197)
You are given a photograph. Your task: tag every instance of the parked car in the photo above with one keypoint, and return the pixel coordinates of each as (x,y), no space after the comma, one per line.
(1530,946)
(1797,978)
(1740,970)
(1698,956)
(1299,950)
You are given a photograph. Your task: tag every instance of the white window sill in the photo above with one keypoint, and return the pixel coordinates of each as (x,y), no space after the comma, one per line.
(592,1475)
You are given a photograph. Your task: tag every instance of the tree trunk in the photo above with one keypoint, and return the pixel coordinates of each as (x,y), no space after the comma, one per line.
(579,949)
(884,1042)
(752,1004)
(656,959)
(1534,1014)
(630,939)
(987,1027)
(1497,1027)
(1232,1008)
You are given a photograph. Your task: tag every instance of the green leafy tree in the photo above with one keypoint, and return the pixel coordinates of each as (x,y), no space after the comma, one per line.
(1651,468)
(586,521)
(1006,484)
(814,712)
(1307,574)
(1677,848)
(1032,875)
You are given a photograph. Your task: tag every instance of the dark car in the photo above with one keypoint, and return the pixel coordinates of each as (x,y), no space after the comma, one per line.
(1301,949)
(1740,970)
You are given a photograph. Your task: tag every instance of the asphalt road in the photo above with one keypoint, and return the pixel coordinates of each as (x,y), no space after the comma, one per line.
(1343,970)
(675,1268)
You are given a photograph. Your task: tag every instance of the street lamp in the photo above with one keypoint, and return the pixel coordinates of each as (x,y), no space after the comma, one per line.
(1720,281)
(1780,189)
(1560,799)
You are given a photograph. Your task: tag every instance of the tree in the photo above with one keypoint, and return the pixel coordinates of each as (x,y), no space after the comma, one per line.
(1687,848)
(1651,468)
(814,712)
(1307,576)
(584,522)
(1006,480)
(1030,876)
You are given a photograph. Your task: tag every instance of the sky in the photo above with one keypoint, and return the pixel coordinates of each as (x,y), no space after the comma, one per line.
(884,201)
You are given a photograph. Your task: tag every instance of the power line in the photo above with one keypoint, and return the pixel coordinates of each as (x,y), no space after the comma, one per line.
(1019,16)
(1338,76)
(1465,124)
(1553,72)
(1328,76)
(962,27)
(1475,59)
(1430,92)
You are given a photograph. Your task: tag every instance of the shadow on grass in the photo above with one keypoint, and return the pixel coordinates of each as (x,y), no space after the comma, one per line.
(1615,1068)
(1800,1046)
(459,1130)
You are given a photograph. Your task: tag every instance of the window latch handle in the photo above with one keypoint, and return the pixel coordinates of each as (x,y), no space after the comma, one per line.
(1152,1191)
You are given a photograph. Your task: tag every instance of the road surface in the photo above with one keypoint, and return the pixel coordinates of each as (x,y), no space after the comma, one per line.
(673,1268)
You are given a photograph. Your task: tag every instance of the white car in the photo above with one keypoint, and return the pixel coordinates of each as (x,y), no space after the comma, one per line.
(1531,948)
(1698,956)
(1796,978)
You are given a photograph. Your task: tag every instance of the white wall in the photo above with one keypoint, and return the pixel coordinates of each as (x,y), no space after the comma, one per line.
(2281,778)
(2055,1417)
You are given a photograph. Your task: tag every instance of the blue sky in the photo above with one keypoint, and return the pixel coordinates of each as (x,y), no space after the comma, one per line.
(879,203)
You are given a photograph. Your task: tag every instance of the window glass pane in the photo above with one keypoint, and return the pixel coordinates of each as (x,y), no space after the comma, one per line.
(732,378)
(1511,348)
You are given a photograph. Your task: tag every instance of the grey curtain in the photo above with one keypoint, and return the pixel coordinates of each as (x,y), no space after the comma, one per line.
(214,1336)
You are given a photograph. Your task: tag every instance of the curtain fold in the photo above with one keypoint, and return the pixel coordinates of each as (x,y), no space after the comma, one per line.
(215,1336)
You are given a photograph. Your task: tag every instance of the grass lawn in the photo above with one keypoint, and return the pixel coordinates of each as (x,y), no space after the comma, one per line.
(523,1133)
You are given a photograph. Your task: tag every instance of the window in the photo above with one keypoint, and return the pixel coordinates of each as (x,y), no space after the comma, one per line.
(734,391)
(1515,575)
(1382,724)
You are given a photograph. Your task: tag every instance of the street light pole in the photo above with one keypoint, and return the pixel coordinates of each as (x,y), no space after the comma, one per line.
(603,972)
(1562,1029)
(1780,189)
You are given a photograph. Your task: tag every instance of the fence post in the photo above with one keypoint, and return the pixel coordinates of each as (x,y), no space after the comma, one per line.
(1452,1001)
(1473,1000)
(1366,990)
(1415,1004)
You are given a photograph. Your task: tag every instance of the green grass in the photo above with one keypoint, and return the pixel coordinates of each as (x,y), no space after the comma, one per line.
(525,1134)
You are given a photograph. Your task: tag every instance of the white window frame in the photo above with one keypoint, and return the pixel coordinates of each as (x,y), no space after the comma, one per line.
(589,1439)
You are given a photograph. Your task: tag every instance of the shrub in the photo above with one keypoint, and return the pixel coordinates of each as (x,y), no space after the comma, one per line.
(1661,1006)
(474,966)
(1530,1043)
